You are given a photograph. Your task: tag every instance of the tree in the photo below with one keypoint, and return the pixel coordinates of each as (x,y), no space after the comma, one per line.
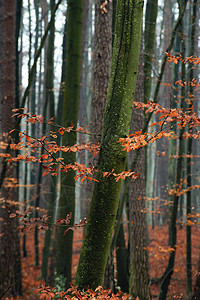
(63,259)
(49,102)
(139,282)
(149,42)
(10,261)
(174,210)
(189,160)
(101,72)
(104,204)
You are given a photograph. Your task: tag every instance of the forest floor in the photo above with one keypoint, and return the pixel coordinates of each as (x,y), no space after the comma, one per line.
(158,259)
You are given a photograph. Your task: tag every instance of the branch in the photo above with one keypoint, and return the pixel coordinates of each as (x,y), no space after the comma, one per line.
(3,294)
(33,68)
(164,61)
(32,71)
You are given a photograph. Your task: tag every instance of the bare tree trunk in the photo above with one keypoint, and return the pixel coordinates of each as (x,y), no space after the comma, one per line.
(189,159)
(10,261)
(139,282)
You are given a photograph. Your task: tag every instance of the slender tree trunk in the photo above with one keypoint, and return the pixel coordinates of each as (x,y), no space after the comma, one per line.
(196,294)
(63,260)
(10,261)
(32,109)
(84,105)
(35,181)
(149,42)
(172,166)
(173,226)
(122,262)
(118,240)
(149,46)
(104,204)
(164,100)
(53,179)
(189,160)
(139,282)
(101,72)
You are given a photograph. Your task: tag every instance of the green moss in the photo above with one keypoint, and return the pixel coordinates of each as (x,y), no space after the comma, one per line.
(70,115)
(117,119)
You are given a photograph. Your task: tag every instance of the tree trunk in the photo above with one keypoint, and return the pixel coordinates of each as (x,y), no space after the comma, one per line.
(164,100)
(10,261)
(189,160)
(149,42)
(174,211)
(104,204)
(196,294)
(53,179)
(101,72)
(149,45)
(63,260)
(139,282)
(122,262)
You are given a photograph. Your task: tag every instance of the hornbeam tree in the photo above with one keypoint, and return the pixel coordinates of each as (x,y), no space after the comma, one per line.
(104,204)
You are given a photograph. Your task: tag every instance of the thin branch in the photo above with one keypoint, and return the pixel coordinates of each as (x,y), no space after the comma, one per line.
(33,68)
(164,61)
(3,294)
(32,71)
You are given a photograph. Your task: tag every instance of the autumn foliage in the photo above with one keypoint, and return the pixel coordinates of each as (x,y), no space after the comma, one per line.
(163,127)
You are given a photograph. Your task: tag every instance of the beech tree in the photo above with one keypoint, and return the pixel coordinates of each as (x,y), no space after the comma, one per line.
(49,102)
(63,259)
(117,117)
(10,261)
(102,56)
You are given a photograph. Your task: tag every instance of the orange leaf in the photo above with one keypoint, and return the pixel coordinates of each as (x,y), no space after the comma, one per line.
(61,131)
(12,215)
(154,124)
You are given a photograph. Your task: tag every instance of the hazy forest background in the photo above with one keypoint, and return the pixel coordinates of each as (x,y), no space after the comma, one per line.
(80,161)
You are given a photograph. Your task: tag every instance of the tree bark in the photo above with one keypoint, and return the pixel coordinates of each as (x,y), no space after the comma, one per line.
(149,42)
(10,261)
(176,197)
(53,179)
(189,159)
(104,204)
(139,282)
(63,261)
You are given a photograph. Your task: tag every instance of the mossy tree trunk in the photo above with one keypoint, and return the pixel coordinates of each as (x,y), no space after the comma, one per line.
(149,43)
(189,159)
(63,261)
(117,118)
(53,179)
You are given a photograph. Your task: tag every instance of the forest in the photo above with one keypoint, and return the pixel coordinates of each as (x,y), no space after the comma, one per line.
(99,149)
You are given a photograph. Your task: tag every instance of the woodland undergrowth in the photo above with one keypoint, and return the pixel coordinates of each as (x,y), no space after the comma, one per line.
(34,288)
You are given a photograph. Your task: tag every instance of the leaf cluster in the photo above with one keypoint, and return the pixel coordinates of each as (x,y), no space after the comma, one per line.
(48,293)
